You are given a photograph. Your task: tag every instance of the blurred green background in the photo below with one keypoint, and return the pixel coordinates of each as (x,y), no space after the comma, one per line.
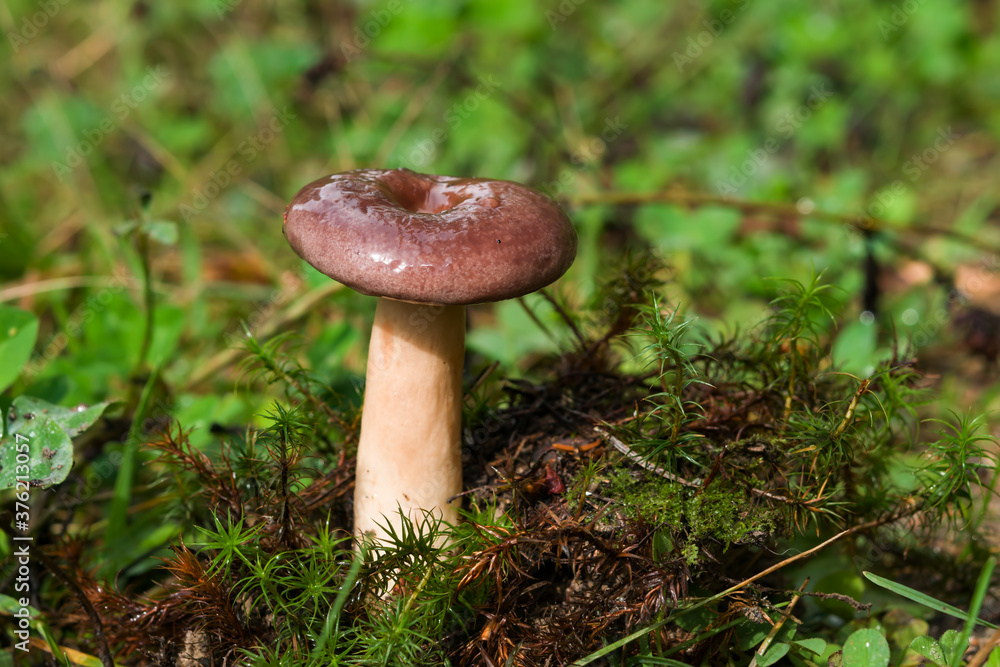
(737,139)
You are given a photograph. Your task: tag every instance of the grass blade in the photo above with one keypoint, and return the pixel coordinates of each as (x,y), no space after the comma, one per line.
(348,585)
(123,483)
(922,598)
(977,602)
(610,648)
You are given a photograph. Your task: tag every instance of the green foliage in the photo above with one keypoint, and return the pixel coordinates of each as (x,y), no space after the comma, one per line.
(922,598)
(44,433)
(718,515)
(850,141)
(950,649)
(670,354)
(930,649)
(36,439)
(799,313)
(840,438)
(18,330)
(658,499)
(955,460)
(866,648)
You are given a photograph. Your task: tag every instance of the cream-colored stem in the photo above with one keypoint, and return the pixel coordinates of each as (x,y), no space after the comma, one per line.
(409,454)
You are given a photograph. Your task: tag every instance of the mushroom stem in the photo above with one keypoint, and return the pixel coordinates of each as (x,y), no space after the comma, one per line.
(409,453)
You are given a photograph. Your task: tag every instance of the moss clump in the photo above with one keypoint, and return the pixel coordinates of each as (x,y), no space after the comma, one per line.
(727,516)
(654,499)
(722,515)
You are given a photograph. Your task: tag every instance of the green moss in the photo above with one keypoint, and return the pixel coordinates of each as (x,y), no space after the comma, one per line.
(690,553)
(654,499)
(720,514)
(726,515)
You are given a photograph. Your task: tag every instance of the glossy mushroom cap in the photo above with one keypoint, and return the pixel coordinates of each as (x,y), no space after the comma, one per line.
(430,239)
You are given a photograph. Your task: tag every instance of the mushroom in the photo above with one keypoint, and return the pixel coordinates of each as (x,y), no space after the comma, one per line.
(427,246)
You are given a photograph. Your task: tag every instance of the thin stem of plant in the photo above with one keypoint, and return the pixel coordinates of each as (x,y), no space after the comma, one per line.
(788,396)
(868,224)
(148,299)
(766,644)
(851,407)
(679,392)
(746,582)
(985,650)
(565,316)
(697,483)
(103,652)
(638,459)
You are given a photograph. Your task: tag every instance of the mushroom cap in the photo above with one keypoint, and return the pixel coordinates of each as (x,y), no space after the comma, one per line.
(430,239)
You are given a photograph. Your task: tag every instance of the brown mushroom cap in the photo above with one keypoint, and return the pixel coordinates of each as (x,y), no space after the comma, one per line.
(430,239)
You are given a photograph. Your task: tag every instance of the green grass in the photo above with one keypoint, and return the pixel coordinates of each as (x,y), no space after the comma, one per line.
(789,166)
